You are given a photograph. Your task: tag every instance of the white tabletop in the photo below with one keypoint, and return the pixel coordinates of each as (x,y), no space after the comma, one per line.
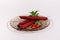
(11,8)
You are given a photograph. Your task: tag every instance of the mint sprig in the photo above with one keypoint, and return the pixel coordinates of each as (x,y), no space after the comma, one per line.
(34,13)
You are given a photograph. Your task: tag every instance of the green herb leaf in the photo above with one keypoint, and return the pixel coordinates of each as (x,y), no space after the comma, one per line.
(37,14)
(38,22)
(34,13)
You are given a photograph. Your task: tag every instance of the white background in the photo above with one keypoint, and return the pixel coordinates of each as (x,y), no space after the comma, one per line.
(12,8)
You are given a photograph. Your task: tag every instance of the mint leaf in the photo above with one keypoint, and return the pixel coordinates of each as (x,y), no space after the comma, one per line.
(37,14)
(38,22)
(34,13)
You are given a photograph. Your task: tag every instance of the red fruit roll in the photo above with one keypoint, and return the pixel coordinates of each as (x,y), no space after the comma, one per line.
(26,21)
(34,17)
(27,24)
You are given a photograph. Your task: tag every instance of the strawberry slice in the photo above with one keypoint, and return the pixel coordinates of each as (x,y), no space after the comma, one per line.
(36,26)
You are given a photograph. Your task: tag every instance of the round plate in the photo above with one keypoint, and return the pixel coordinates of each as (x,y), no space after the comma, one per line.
(13,24)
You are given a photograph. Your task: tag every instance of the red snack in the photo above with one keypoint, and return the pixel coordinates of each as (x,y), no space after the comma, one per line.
(27,24)
(34,17)
(26,21)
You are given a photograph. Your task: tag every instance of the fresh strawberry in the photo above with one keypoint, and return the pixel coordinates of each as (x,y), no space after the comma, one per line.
(37,26)
(34,26)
